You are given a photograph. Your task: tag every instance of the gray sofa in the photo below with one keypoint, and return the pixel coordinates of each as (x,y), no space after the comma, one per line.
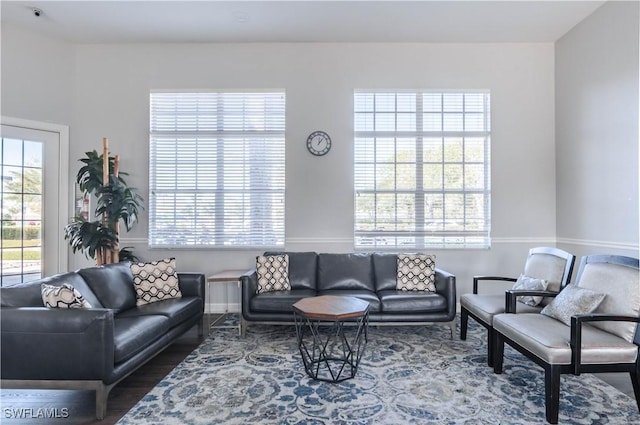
(368,276)
(90,349)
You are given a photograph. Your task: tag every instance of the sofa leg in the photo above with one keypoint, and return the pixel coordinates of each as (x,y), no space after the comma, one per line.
(102,395)
(201,328)
(452,328)
(552,392)
(464,322)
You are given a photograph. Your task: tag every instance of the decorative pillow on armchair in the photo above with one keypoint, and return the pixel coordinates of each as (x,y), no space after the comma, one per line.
(416,273)
(273,273)
(155,281)
(573,300)
(63,296)
(530,284)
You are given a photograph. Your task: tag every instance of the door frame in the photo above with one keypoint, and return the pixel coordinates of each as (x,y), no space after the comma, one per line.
(62,247)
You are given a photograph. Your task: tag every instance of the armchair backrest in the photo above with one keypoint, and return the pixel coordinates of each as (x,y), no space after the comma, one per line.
(551,264)
(618,277)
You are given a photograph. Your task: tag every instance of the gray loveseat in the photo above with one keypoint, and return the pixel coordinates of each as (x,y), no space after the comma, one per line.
(90,349)
(368,276)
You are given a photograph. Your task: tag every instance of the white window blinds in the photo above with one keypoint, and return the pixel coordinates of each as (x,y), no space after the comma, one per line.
(217,169)
(421,171)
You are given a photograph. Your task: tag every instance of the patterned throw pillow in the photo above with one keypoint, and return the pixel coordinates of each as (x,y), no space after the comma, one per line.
(63,296)
(155,281)
(273,273)
(416,273)
(573,300)
(530,284)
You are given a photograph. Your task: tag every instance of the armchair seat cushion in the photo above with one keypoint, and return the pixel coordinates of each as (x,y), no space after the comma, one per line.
(485,307)
(133,334)
(279,301)
(548,339)
(177,310)
(412,301)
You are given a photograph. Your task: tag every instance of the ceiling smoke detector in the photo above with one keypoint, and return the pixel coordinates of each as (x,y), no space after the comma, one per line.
(37,12)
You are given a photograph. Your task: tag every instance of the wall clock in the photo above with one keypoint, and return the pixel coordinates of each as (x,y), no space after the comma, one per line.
(319,143)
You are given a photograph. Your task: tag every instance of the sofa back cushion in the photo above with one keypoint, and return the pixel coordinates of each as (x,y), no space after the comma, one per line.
(29,294)
(345,271)
(622,288)
(302,269)
(112,284)
(385,269)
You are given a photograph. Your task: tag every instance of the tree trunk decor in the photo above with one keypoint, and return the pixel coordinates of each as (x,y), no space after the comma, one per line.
(116,201)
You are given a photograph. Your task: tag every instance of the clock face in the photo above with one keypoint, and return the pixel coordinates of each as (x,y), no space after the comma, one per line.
(319,143)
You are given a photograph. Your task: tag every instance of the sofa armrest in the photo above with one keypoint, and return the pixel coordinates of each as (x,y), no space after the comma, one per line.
(478,279)
(511,296)
(576,333)
(249,282)
(191,284)
(38,343)
(446,286)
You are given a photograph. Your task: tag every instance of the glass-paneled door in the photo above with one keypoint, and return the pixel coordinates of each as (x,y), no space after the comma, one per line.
(30,204)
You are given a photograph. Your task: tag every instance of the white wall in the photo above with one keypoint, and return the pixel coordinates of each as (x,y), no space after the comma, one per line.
(110,95)
(597,132)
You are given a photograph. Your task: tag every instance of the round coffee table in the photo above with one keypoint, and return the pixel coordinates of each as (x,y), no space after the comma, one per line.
(329,351)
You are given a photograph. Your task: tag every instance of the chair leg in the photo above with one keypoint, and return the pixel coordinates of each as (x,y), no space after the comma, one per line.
(464,321)
(635,381)
(498,352)
(491,342)
(552,392)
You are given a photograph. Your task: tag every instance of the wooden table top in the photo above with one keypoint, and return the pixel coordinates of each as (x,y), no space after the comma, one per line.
(331,307)
(226,276)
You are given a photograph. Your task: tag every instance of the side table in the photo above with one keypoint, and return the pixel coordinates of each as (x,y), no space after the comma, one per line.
(225,277)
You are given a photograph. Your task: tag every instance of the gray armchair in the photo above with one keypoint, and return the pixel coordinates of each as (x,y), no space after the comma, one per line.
(607,340)
(551,264)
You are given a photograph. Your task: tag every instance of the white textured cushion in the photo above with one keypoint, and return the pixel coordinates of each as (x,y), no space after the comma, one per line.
(155,281)
(273,273)
(416,273)
(573,300)
(63,296)
(530,284)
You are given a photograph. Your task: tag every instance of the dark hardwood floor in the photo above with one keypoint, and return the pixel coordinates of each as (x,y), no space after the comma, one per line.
(78,407)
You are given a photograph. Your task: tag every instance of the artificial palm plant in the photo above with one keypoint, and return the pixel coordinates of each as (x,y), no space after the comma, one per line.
(116,202)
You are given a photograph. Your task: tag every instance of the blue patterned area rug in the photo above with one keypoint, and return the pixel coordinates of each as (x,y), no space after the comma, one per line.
(408,375)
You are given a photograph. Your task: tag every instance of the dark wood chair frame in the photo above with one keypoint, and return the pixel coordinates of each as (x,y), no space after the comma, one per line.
(552,372)
(491,334)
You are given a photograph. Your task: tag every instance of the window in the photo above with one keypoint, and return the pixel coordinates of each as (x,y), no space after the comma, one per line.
(217,170)
(422,177)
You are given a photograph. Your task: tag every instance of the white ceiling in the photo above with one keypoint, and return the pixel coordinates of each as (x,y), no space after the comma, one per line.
(299,21)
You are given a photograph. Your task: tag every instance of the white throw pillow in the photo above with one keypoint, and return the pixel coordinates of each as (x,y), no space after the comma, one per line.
(155,281)
(63,296)
(273,273)
(416,273)
(530,284)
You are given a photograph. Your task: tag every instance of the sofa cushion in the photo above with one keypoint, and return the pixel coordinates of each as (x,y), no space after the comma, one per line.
(273,273)
(112,284)
(621,285)
(548,339)
(345,271)
(133,334)
(385,267)
(573,300)
(279,301)
(155,281)
(63,296)
(177,310)
(485,307)
(411,301)
(366,295)
(29,294)
(416,273)
(530,284)
(302,268)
